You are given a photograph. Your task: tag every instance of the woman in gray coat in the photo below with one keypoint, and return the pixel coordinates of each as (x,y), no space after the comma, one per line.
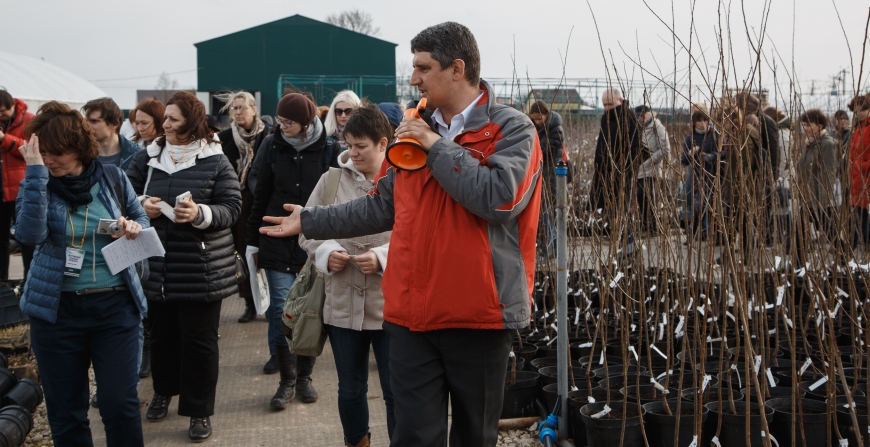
(649,175)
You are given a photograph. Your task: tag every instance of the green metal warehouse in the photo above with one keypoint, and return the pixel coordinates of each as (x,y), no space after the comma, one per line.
(309,54)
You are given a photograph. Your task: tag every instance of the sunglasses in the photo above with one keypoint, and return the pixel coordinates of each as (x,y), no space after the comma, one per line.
(343,111)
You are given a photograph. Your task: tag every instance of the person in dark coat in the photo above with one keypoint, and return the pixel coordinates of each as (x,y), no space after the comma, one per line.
(289,165)
(187,285)
(618,153)
(701,157)
(549,126)
(240,144)
(767,157)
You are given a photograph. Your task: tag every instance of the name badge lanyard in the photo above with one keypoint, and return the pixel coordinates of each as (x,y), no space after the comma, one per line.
(75,255)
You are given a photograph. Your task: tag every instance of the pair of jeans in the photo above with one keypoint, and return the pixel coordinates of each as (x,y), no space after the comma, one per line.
(279,286)
(103,329)
(351,351)
(184,353)
(466,366)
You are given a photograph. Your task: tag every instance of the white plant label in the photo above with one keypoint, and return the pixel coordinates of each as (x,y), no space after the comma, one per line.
(659,386)
(590,399)
(844,443)
(715,441)
(601,413)
(654,348)
(757,364)
(631,349)
(619,275)
(701,309)
(776,261)
(694,441)
(780,293)
(511,354)
(574,388)
(728,314)
(818,383)
(706,381)
(841,293)
(577,318)
(551,341)
(586,345)
(739,382)
(601,359)
(679,330)
(653,288)
(770,379)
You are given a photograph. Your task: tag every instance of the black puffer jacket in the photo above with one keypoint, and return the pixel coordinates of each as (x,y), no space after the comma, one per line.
(199,265)
(284,176)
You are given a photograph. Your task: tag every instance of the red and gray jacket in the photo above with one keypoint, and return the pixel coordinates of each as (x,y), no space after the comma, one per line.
(462,252)
(10,157)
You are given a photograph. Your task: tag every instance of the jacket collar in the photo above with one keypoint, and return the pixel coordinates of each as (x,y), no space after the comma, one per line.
(20,112)
(128,148)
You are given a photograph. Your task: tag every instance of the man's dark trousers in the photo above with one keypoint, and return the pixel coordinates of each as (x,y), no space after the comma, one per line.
(465,365)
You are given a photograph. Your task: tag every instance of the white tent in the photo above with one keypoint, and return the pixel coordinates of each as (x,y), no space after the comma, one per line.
(36,82)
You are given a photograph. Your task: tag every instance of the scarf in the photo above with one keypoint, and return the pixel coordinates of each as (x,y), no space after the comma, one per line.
(245,142)
(77,190)
(338,135)
(315,129)
(171,159)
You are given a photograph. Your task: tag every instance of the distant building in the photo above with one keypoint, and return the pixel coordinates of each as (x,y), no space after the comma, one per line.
(305,53)
(566,101)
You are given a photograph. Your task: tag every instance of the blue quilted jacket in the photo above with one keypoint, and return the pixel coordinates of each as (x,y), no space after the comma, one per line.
(41,222)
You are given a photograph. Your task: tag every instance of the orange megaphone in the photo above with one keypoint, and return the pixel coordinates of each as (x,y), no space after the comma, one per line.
(408,153)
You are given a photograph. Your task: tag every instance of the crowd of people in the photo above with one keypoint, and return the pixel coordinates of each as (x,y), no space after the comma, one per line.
(312,184)
(225,189)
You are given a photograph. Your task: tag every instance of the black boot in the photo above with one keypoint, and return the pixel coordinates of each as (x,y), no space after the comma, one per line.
(287,385)
(145,367)
(304,367)
(250,312)
(271,367)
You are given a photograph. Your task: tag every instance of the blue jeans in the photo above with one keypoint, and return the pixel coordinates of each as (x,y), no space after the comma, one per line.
(351,351)
(279,286)
(103,329)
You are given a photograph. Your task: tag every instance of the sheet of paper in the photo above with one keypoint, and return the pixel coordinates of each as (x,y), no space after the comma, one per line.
(124,252)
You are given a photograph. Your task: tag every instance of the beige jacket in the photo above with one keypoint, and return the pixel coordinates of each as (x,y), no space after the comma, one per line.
(353,300)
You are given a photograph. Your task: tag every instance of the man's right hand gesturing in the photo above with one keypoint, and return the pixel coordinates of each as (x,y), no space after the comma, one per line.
(284,226)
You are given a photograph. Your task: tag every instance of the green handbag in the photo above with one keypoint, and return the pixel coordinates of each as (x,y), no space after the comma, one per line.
(303,310)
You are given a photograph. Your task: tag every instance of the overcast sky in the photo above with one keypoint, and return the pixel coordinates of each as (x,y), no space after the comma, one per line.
(110,42)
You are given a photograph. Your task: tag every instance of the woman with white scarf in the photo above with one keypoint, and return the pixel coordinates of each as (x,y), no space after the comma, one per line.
(187,170)
(240,144)
(339,112)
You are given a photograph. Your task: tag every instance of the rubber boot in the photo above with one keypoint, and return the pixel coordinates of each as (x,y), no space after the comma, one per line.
(304,367)
(287,384)
(250,312)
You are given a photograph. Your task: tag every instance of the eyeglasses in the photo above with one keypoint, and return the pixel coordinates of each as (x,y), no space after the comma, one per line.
(283,122)
(343,111)
(238,109)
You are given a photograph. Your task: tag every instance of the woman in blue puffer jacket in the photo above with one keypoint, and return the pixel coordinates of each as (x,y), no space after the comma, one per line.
(80,313)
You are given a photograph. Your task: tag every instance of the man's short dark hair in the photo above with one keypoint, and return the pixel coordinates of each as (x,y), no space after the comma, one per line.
(699,116)
(367,121)
(109,111)
(815,116)
(6,100)
(447,42)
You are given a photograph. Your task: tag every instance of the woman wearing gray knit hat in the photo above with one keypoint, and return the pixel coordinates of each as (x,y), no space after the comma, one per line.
(300,151)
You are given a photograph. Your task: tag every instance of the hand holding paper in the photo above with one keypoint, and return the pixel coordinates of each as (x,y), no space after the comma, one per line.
(126,252)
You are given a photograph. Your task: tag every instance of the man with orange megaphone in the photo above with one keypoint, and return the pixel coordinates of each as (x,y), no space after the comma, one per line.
(462,252)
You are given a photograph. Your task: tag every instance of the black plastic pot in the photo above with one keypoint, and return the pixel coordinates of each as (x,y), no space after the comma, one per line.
(821,393)
(519,398)
(527,352)
(733,432)
(617,382)
(576,401)
(4,362)
(550,374)
(611,361)
(521,364)
(542,362)
(812,415)
(844,418)
(608,431)
(772,393)
(26,393)
(7,381)
(710,394)
(649,393)
(616,371)
(15,424)
(661,428)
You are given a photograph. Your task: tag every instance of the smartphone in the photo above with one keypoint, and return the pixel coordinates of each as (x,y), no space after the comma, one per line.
(182,197)
(108,226)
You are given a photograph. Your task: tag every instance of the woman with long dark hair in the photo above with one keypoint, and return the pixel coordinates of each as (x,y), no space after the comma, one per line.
(186,285)
(80,312)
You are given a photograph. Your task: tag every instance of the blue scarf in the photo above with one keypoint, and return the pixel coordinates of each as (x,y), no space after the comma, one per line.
(76,190)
